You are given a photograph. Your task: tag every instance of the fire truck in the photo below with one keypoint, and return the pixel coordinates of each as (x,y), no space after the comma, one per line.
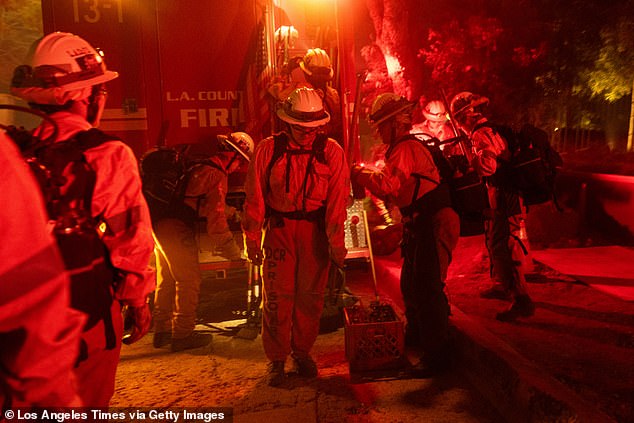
(193,69)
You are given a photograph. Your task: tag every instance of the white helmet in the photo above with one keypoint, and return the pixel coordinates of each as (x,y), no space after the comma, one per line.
(303,107)
(435,111)
(387,105)
(465,103)
(317,63)
(63,67)
(240,142)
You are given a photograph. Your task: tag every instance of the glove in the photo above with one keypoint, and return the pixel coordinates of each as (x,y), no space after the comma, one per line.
(361,175)
(140,318)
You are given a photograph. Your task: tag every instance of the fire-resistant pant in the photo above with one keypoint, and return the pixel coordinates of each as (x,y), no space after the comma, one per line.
(92,294)
(98,359)
(294,277)
(502,231)
(178,278)
(428,243)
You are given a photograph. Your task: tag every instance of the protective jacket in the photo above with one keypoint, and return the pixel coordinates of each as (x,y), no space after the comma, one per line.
(396,181)
(120,276)
(206,193)
(503,227)
(39,331)
(119,202)
(411,180)
(488,147)
(298,183)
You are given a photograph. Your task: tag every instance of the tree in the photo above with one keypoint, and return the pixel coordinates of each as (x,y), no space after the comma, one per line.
(612,76)
(20,25)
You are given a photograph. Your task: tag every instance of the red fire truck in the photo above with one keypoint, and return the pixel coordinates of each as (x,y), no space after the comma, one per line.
(192,69)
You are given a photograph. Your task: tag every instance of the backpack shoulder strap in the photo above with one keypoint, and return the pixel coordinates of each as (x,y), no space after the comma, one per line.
(280,145)
(319,148)
(91,138)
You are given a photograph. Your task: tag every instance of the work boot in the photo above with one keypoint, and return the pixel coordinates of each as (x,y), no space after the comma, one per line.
(305,367)
(191,341)
(426,368)
(275,375)
(161,339)
(495,292)
(522,307)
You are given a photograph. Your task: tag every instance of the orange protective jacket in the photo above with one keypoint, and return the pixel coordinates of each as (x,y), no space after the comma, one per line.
(327,185)
(39,332)
(206,193)
(118,200)
(395,181)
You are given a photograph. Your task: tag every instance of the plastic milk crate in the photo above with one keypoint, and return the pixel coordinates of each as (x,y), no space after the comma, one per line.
(374,337)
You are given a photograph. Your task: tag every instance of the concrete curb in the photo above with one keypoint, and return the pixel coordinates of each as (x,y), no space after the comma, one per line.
(520,390)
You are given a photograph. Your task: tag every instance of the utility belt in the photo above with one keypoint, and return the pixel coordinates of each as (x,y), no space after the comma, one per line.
(430,203)
(318,215)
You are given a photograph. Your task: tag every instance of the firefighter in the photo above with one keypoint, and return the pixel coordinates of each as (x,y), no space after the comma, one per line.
(503,224)
(179,278)
(36,360)
(411,180)
(436,123)
(318,73)
(208,186)
(298,200)
(65,78)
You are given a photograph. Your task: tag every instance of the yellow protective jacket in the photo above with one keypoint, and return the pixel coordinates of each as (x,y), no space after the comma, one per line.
(327,185)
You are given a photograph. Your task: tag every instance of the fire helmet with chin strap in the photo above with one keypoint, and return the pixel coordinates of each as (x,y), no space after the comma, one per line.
(241,142)
(316,62)
(388,105)
(435,111)
(466,103)
(62,67)
(303,107)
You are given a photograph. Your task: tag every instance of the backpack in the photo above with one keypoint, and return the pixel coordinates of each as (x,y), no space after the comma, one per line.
(165,173)
(467,192)
(77,233)
(533,166)
(70,211)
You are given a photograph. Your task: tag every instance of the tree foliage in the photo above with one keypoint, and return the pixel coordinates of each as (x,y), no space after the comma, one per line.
(613,72)
(531,58)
